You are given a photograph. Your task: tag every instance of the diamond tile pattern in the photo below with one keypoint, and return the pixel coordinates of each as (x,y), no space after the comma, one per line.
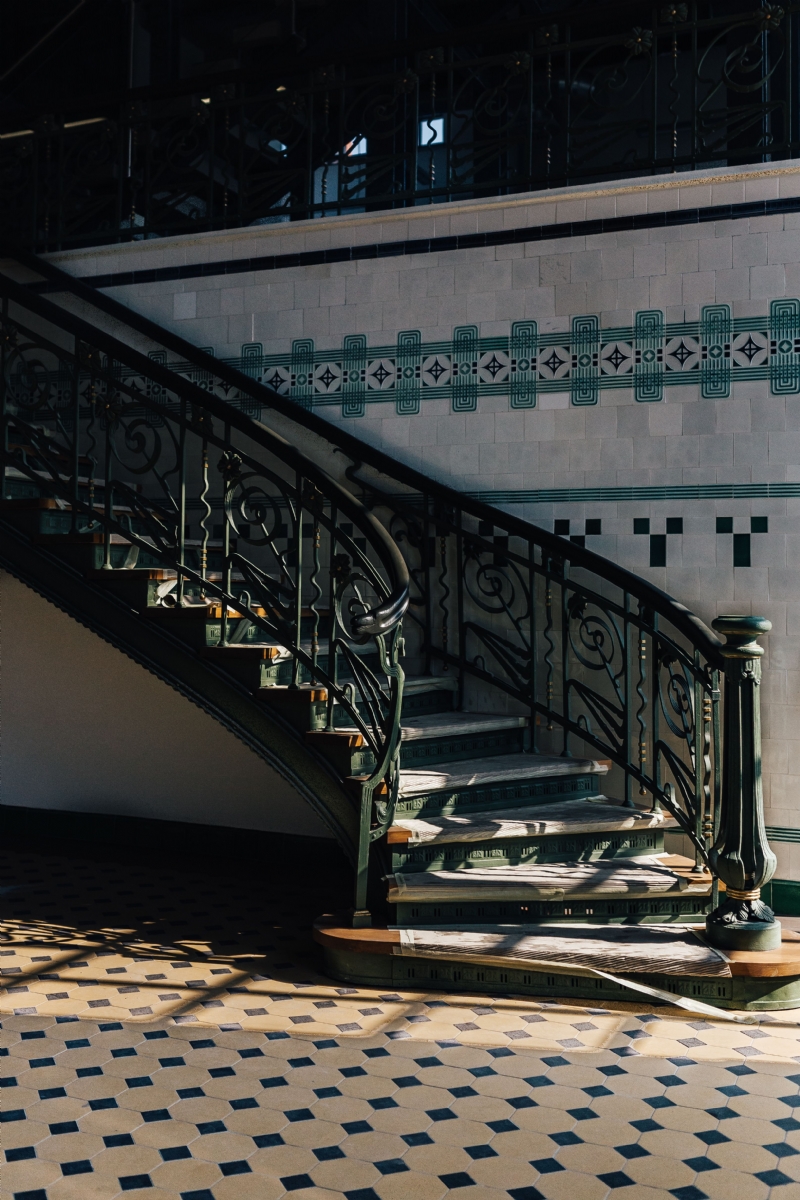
(369,1096)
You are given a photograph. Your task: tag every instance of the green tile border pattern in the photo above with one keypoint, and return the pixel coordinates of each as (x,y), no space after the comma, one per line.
(646,357)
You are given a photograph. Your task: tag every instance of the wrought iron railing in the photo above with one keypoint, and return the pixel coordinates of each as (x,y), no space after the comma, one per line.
(601,92)
(146,460)
(603,662)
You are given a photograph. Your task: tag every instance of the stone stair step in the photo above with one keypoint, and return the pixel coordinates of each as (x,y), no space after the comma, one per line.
(598,815)
(625,950)
(458,723)
(665,956)
(419,684)
(577,830)
(434,737)
(489,783)
(551,881)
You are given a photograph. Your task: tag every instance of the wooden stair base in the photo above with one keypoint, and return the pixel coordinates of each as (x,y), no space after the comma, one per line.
(758,981)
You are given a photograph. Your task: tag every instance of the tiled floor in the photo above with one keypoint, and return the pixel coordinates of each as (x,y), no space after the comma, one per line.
(167,1035)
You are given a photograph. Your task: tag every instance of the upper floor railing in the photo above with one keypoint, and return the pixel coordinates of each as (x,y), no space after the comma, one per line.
(601,92)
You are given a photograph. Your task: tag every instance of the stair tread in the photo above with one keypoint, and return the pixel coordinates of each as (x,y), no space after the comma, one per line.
(413,684)
(507,768)
(648,949)
(543,881)
(450,723)
(570,816)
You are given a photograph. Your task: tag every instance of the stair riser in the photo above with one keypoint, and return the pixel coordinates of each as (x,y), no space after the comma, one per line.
(436,702)
(21,489)
(386,971)
(202,634)
(658,910)
(519,794)
(423,752)
(427,703)
(576,847)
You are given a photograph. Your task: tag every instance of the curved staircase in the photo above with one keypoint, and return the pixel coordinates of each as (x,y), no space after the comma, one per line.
(518,743)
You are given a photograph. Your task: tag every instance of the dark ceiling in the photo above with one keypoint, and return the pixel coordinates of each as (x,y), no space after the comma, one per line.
(54,53)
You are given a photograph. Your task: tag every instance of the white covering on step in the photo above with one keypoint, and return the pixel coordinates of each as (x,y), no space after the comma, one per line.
(570,816)
(541,881)
(650,949)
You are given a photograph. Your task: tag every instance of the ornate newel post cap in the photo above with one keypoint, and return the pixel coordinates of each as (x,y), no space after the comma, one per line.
(740,635)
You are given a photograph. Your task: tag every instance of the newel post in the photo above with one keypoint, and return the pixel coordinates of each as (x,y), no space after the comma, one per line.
(741,855)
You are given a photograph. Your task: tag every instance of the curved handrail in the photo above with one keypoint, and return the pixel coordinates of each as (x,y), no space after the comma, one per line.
(362,452)
(635,679)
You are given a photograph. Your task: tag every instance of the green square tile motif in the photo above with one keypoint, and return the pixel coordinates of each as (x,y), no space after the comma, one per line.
(651,354)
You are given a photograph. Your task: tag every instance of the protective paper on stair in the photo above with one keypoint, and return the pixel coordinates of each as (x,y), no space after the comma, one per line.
(656,949)
(506,769)
(570,816)
(548,881)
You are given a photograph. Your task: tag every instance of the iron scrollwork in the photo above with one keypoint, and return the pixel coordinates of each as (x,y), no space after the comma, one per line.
(148,462)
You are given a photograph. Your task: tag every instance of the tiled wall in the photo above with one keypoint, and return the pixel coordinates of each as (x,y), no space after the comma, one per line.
(622,361)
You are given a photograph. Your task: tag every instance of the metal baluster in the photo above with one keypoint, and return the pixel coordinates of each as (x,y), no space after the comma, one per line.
(206,514)
(298,579)
(108,506)
(656,716)
(429,563)
(462,630)
(533,638)
(697,760)
(92,461)
(716,762)
(641,692)
(109,457)
(548,634)
(3,340)
(628,685)
(564,616)
(226,543)
(333,662)
(708,812)
(317,593)
(76,433)
(181,504)
(445,592)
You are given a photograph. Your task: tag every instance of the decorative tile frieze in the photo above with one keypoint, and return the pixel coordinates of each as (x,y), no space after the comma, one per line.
(648,356)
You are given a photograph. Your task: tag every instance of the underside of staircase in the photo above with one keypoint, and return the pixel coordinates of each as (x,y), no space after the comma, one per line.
(497,848)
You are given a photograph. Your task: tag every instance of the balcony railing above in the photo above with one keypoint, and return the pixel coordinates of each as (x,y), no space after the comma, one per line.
(601,92)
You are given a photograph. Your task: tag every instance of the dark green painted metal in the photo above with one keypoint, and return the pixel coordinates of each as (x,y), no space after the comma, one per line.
(574,847)
(506,795)
(382,970)
(657,909)
(741,856)
(458,747)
